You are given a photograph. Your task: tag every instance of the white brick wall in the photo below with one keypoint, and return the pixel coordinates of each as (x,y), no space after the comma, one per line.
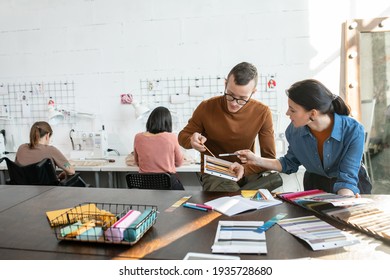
(106,47)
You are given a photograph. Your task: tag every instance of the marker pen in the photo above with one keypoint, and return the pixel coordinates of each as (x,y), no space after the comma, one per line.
(200,205)
(227,155)
(194,207)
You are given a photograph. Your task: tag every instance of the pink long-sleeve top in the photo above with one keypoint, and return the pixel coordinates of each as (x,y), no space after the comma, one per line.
(155,153)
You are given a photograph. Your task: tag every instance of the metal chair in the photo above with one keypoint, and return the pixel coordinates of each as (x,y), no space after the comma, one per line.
(40,173)
(151,181)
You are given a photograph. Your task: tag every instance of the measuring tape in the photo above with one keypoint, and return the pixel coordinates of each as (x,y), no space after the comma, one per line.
(270,223)
(178,203)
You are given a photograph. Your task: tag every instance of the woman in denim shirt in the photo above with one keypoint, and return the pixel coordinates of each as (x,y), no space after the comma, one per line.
(323,138)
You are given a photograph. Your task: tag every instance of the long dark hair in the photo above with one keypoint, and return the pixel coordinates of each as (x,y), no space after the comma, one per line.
(37,131)
(243,73)
(160,120)
(312,94)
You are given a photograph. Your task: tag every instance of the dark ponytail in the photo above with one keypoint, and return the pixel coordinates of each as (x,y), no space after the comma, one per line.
(312,94)
(39,130)
(340,107)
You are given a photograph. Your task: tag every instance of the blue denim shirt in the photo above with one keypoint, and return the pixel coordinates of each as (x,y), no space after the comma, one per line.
(342,152)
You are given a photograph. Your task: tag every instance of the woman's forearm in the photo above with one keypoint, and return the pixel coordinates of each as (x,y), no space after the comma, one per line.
(269,163)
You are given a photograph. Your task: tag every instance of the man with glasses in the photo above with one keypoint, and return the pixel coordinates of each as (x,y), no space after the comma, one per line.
(231,122)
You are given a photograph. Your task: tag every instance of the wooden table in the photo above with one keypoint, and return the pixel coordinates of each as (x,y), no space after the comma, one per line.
(25,232)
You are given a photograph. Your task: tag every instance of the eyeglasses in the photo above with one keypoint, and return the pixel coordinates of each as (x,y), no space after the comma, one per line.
(241,102)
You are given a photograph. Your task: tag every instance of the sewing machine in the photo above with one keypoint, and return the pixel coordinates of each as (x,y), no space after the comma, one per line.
(86,144)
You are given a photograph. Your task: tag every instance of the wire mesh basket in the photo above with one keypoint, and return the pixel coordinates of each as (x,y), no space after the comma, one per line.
(111,223)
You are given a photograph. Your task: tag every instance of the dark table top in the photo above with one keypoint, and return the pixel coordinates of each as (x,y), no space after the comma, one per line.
(12,195)
(26,234)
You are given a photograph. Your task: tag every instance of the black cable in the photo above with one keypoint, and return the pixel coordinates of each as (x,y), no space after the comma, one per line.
(113,150)
(71,139)
(5,139)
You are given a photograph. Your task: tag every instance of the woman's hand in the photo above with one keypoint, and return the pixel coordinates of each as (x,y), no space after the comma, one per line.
(247,156)
(130,159)
(238,169)
(347,192)
(61,176)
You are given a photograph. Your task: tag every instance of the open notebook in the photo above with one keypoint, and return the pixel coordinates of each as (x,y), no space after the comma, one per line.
(233,205)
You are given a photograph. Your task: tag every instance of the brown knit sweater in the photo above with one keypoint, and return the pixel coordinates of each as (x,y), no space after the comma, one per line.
(228,132)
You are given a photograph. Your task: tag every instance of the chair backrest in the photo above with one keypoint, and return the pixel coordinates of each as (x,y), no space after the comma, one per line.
(40,173)
(154,181)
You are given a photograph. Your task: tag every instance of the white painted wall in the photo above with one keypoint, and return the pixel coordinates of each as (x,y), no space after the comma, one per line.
(107,47)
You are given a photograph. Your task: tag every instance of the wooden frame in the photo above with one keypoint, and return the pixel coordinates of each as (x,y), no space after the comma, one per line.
(350,58)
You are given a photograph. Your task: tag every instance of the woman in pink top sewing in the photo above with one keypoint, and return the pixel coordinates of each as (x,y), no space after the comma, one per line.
(157,150)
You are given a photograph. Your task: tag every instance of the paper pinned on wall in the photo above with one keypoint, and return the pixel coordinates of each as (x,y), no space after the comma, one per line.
(178,99)
(271,84)
(26,111)
(4,113)
(195,91)
(3,90)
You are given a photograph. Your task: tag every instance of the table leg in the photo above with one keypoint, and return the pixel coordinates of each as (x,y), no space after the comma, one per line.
(2,177)
(97,180)
(110,179)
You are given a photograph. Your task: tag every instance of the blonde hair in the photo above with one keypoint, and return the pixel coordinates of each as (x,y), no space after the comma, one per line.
(39,130)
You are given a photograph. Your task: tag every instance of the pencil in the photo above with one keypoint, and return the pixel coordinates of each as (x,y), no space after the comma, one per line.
(208,150)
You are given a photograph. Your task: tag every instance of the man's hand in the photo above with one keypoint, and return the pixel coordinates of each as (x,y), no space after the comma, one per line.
(238,169)
(197,141)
